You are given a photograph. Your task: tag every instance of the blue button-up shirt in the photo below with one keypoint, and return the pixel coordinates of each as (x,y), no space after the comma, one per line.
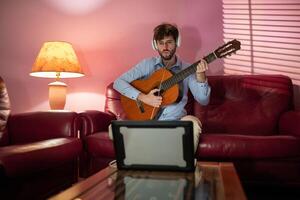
(144,69)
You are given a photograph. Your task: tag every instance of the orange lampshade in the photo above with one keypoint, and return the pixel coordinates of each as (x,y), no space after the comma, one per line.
(57,60)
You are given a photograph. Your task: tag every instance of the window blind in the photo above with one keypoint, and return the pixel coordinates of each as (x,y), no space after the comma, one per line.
(269,32)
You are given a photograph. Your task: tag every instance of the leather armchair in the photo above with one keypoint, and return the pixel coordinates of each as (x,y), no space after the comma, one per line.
(94,129)
(38,151)
(249,121)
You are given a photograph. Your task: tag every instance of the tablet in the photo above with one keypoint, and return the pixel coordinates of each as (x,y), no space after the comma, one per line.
(154,145)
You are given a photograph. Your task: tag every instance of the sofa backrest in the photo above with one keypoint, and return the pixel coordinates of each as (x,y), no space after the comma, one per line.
(4,113)
(113,103)
(42,125)
(246,104)
(239,104)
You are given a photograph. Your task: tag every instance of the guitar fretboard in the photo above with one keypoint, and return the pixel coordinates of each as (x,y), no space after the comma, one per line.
(165,85)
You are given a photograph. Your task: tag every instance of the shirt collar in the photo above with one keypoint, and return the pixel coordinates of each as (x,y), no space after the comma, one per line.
(178,64)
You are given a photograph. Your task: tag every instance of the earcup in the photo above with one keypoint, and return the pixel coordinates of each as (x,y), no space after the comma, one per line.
(178,42)
(154,46)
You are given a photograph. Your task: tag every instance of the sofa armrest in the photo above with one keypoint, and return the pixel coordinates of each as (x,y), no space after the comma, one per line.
(95,121)
(289,123)
(37,126)
(24,159)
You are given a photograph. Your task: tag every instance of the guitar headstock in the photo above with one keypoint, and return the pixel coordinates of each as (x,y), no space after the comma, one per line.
(228,48)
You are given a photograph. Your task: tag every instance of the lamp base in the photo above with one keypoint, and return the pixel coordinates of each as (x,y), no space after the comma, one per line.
(57,95)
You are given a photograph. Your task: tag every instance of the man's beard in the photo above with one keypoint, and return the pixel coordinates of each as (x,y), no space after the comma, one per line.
(171,54)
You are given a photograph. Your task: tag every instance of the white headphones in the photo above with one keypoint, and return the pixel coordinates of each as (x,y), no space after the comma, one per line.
(178,42)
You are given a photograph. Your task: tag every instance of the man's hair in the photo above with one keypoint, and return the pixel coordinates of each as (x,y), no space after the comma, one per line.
(165,29)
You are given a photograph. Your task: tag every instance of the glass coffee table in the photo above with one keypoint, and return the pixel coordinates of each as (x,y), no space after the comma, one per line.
(211,180)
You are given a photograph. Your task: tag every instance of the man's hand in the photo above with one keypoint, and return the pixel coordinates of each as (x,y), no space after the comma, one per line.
(201,68)
(150,98)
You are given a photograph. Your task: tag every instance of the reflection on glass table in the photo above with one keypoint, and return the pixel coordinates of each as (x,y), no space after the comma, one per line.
(161,185)
(211,180)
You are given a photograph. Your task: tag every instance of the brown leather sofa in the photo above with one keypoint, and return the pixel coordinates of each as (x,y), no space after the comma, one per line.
(249,121)
(38,151)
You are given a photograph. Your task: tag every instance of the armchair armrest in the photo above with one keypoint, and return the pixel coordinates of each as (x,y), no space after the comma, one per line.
(37,126)
(289,123)
(95,121)
(23,159)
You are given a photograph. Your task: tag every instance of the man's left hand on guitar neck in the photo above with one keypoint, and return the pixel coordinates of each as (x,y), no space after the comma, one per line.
(200,73)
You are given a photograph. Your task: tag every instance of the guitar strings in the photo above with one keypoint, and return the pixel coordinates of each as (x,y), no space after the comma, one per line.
(160,84)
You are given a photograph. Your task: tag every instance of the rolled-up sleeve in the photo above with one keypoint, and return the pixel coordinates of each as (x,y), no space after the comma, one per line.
(122,84)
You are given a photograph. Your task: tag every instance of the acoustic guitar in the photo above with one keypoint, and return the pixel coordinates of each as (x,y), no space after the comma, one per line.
(168,86)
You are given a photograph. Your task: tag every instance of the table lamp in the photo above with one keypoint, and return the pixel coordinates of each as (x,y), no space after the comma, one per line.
(57,60)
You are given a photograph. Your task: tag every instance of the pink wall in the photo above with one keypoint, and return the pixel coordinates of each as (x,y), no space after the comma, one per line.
(109,37)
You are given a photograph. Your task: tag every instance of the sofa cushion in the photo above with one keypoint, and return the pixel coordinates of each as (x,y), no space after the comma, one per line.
(24,159)
(217,146)
(231,147)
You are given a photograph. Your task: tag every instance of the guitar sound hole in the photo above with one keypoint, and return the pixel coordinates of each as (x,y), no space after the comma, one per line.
(158,93)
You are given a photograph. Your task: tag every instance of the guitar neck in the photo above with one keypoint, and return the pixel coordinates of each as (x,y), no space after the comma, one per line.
(185,73)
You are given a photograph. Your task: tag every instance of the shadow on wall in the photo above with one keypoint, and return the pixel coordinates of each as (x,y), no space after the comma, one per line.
(190,43)
(193,48)
(22,98)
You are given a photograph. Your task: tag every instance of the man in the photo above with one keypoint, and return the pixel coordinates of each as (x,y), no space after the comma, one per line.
(166,39)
